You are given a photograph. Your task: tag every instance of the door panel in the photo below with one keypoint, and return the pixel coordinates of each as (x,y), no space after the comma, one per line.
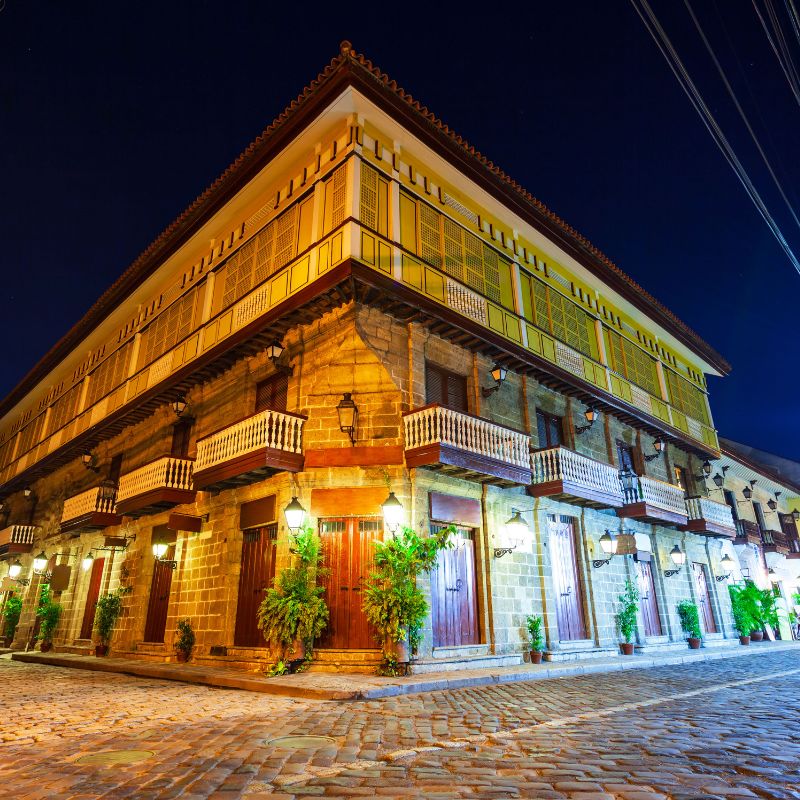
(649,602)
(258,572)
(92,595)
(704,599)
(156,622)
(348,551)
(569,596)
(454,600)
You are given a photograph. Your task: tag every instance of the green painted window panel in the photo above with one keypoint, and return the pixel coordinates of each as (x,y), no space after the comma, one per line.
(548,348)
(686,397)
(534,339)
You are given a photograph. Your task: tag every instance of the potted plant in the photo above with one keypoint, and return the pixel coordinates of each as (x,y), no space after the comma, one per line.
(740,611)
(11,614)
(392,601)
(293,613)
(185,641)
(768,608)
(690,622)
(626,616)
(534,624)
(107,612)
(49,612)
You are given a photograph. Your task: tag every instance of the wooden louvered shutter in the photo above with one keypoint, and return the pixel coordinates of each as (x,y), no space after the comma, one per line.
(491,272)
(369,197)
(473,259)
(453,249)
(272,393)
(456,392)
(445,388)
(430,235)
(434,391)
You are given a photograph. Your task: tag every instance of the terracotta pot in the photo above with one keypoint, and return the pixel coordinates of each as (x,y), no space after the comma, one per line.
(626,648)
(45,647)
(297,651)
(182,656)
(744,640)
(536,656)
(401,652)
(101,650)
(756,636)
(694,643)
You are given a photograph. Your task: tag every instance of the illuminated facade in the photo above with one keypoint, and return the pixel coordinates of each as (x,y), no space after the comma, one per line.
(391,263)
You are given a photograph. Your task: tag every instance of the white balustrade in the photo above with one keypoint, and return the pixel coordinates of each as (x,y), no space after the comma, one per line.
(439,425)
(561,464)
(17,534)
(165,473)
(710,511)
(86,503)
(662,495)
(269,428)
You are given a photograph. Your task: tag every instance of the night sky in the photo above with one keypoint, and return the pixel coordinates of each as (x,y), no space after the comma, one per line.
(114,117)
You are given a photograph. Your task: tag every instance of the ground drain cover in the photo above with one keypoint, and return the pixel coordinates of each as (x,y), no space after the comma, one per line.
(113,757)
(300,742)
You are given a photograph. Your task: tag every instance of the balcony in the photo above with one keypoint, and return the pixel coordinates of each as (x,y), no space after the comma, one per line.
(563,474)
(17,539)
(747,532)
(775,542)
(710,518)
(249,450)
(655,502)
(160,484)
(465,446)
(91,510)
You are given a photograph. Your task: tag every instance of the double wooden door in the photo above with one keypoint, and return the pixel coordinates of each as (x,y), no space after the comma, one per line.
(92,595)
(454,601)
(647,596)
(258,572)
(704,598)
(347,547)
(156,622)
(569,596)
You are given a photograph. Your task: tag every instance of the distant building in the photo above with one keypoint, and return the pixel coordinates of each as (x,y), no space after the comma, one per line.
(394,268)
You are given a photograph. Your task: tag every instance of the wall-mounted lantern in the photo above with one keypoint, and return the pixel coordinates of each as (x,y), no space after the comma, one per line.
(179,405)
(499,374)
(719,478)
(796,514)
(591,416)
(748,490)
(28,492)
(658,445)
(160,547)
(515,530)
(608,544)
(393,513)
(773,576)
(773,502)
(726,564)
(88,461)
(348,416)
(295,515)
(678,559)
(88,561)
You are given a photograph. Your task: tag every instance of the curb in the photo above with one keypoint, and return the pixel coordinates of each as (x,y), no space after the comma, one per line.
(286,688)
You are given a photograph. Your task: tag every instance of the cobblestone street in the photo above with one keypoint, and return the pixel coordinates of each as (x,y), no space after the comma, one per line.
(724,729)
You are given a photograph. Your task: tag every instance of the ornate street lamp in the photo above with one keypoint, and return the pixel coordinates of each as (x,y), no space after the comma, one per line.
(726,564)
(748,490)
(608,544)
(393,513)
(87,562)
(591,416)
(499,375)
(678,559)
(658,445)
(295,515)
(179,405)
(348,416)
(515,529)
(14,570)
(40,563)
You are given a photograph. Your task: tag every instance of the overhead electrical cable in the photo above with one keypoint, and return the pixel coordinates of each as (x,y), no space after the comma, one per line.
(791,78)
(794,17)
(739,108)
(662,41)
(780,36)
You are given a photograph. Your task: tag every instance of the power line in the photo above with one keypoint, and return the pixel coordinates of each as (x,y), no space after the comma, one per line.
(786,68)
(662,41)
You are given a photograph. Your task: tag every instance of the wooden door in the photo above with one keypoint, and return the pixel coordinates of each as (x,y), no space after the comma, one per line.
(454,600)
(156,621)
(272,393)
(445,388)
(704,598)
(258,572)
(647,596)
(569,596)
(347,546)
(95,580)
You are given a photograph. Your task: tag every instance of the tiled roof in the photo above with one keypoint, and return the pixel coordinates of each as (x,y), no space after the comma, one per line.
(352,67)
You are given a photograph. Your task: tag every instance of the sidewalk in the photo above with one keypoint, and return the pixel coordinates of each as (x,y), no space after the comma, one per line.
(341,686)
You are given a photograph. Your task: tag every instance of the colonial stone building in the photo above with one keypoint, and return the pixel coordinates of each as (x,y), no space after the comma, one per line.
(362,302)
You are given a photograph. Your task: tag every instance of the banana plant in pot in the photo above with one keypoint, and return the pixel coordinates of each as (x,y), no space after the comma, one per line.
(626,617)
(293,613)
(690,623)
(534,625)
(392,601)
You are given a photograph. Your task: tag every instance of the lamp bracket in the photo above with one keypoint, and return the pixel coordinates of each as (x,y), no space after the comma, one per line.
(600,562)
(668,573)
(488,392)
(499,552)
(168,563)
(652,457)
(583,428)
(720,578)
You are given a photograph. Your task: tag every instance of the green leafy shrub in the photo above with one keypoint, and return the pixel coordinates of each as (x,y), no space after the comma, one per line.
(392,601)
(294,607)
(11,614)
(629,607)
(185,641)
(690,619)
(108,611)
(49,612)
(768,608)
(741,610)
(535,633)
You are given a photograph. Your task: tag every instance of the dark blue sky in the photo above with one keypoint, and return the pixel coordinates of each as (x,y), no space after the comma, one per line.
(112,122)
